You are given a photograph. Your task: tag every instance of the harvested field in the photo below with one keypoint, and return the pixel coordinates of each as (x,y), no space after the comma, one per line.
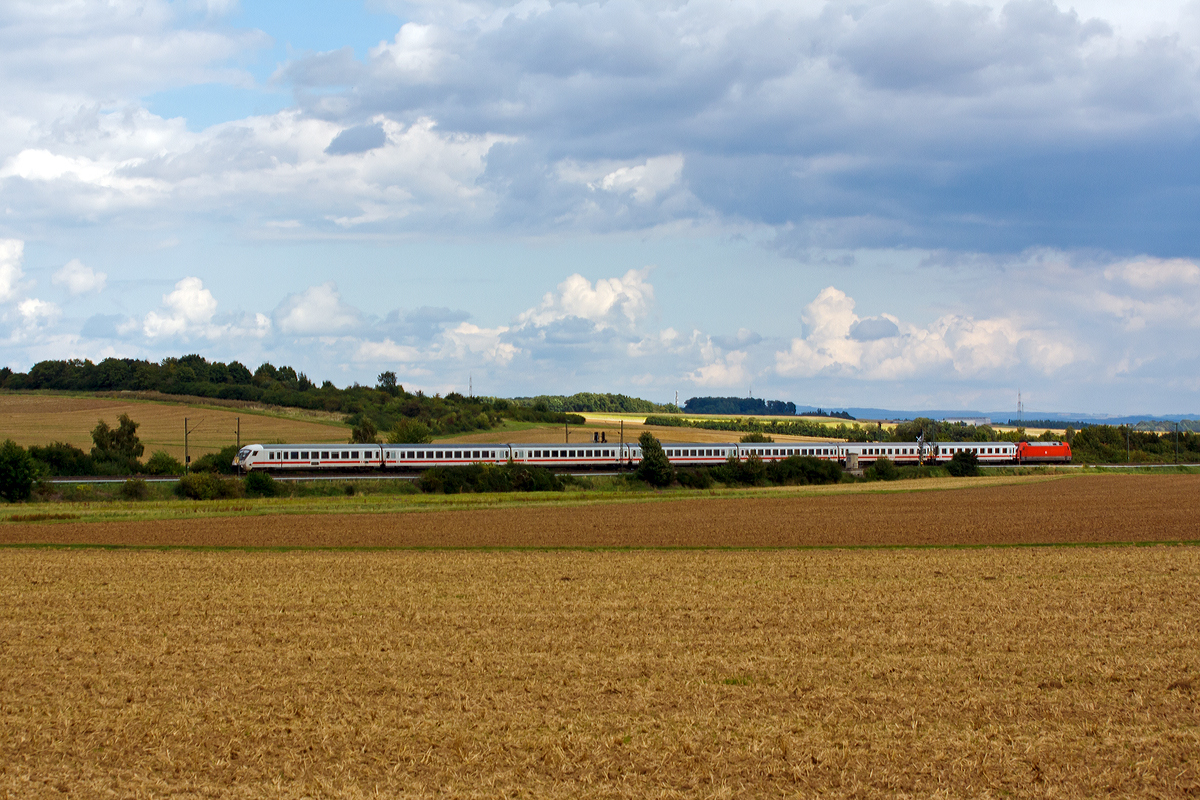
(40,419)
(1029,672)
(612,429)
(1076,509)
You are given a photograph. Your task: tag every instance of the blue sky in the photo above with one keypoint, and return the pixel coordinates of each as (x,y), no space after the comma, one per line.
(894,204)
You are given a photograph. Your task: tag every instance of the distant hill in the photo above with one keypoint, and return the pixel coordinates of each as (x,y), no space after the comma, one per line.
(370,410)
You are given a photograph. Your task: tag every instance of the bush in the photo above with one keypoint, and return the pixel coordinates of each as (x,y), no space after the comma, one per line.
(963,464)
(655,468)
(134,489)
(699,478)
(410,431)
(61,459)
(803,470)
(220,462)
(163,463)
(206,486)
(18,471)
(756,437)
(489,478)
(736,472)
(260,484)
(884,469)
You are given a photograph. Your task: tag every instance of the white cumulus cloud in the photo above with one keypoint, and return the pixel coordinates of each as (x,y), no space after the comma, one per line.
(605,303)
(317,311)
(77,278)
(190,308)
(968,346)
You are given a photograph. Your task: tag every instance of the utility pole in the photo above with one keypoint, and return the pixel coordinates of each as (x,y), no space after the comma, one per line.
(1128,457)
(187,458)
(566,432)
(239,444)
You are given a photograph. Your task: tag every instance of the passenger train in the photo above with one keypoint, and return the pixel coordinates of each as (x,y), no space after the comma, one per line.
(409,457)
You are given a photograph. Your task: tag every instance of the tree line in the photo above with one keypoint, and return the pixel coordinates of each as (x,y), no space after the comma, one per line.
(596,402)
(739,406)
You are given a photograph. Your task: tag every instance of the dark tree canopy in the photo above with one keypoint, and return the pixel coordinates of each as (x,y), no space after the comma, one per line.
(655,469)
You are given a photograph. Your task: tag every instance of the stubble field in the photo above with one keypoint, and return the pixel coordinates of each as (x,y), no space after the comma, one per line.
(1054,672)
(43,418)
(654,671)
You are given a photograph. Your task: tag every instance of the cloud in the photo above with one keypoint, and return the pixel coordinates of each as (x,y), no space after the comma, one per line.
(487,342)
(645,181)
(12,252)
(1154,273)
(968,346)
(317,311)
(78,278)
(189,308)
(37,313)
(729,370)
(191,311)
(611,301)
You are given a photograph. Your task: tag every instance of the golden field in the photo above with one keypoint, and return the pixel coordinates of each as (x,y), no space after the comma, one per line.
(1025,672)
(42,418)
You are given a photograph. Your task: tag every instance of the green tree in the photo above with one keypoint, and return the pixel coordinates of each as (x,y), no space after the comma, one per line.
(386,382)
(18,471)
(410,431)
(364,432)
(655,469)
(756,437)
(118,446)
(963,464)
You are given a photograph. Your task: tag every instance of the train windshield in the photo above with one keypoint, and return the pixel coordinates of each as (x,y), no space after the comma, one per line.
(245,451)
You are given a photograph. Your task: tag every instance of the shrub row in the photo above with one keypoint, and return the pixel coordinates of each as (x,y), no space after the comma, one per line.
(490,478)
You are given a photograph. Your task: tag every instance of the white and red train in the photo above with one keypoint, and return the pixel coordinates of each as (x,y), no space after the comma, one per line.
(408,457)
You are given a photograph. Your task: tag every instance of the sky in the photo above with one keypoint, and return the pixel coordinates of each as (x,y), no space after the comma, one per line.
(903,205)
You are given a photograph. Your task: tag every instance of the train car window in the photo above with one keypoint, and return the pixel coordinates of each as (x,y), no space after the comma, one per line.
(324,454)
(304,455)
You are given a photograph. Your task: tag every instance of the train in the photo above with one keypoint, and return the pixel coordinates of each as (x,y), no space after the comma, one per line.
(412,457)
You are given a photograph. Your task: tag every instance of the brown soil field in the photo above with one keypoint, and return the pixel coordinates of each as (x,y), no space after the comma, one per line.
(40,419)
(1075,510)
(1024,672)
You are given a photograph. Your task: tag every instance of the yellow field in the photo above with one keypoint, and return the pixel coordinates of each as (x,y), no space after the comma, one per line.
(40,419)
(611,426)
(1026,672)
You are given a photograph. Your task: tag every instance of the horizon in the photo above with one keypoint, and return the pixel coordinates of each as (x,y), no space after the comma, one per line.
(935,205)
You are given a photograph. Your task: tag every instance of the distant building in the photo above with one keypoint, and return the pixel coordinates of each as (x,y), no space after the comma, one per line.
(976,421)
